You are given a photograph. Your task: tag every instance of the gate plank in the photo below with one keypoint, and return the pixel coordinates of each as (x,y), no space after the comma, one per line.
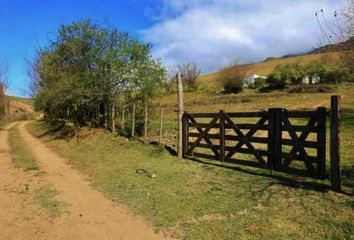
(245,140)
(203,135)
(298,143)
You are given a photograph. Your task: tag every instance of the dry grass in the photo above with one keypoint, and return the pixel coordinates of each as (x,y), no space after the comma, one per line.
(264,68)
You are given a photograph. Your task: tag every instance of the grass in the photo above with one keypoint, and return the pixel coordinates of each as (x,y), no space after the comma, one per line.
(21,155)
(45,197)
(196,200)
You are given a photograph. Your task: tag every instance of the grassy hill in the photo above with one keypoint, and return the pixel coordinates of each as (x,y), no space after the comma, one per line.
(20,107)
(264,68)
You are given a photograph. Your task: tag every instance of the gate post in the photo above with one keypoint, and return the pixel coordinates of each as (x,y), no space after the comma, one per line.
(222,135)
(274,138)
(185,134)
(335,143)
(321,139)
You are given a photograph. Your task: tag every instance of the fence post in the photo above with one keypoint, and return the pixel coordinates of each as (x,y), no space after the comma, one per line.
(179,117)
(335,144)
(222,135)
(185,130)
(274,138)
(321,138)
(161,126)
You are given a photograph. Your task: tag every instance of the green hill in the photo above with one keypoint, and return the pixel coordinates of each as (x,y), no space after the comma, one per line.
(264,68)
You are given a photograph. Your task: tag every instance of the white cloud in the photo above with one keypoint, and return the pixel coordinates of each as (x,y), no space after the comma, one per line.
(214,33)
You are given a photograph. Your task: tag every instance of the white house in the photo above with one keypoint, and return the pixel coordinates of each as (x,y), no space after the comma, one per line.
(315,79)
(250,80)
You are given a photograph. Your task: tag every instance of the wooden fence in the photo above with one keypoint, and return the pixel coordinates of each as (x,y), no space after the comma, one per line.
(278,139)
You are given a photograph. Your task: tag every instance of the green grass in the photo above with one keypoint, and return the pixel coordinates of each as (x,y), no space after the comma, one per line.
(202,201)
(45,198)
(21,155)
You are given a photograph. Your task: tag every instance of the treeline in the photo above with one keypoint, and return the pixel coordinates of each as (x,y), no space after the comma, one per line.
(87,71)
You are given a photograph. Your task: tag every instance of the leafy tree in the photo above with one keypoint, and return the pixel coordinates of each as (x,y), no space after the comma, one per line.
(286,74)
(86,67)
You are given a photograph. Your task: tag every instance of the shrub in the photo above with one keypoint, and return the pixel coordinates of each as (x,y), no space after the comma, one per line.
(329,72)
(232,79)
(283,75)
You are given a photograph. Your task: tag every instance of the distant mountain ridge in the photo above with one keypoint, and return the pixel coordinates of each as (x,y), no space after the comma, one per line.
(338,47)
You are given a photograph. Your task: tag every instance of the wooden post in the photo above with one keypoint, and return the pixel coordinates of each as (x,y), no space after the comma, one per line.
(321,138)
(146,123)
(179,117)
(185,133)
(222,136)
(161,126)
(274,138)
(133,121)
(113,117)
(335,144)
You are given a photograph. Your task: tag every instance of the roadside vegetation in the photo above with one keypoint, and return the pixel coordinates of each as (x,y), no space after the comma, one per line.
(195,200)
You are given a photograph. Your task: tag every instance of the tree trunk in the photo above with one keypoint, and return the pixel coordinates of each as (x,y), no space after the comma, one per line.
(105,117)
(146,123)
(123,116)
(161,126)
(133,121)
(113,117)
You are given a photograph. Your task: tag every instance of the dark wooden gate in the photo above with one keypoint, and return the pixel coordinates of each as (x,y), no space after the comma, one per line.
(281,140)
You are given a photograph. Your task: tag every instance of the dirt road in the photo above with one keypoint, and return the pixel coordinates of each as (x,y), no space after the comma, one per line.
(89,214)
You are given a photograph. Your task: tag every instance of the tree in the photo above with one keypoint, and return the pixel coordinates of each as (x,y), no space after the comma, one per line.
(285,74)
(189,72)
(232,78)
(3,86)
(339,29)
(86,67)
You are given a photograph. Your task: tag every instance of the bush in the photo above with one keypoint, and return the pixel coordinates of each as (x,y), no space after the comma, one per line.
(283,75)
(329,72)
(232,79)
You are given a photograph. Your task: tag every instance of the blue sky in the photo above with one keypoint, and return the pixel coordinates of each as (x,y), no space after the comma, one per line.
(211,33)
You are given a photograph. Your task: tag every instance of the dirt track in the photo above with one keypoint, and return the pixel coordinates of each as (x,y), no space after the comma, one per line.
(90,215)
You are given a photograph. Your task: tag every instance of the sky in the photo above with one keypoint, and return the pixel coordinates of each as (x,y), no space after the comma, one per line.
(210,33)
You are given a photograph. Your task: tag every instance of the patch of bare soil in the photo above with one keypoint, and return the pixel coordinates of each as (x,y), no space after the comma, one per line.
(90,214)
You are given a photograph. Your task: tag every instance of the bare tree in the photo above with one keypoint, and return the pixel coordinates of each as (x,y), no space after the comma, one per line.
(336,28)
(32,70)
(189,72)
(337,32)
(3,86)
(232,78)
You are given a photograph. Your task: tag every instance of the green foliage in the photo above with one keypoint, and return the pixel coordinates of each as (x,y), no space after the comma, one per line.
(86,67)
(329,72)
(326,71)
(285,74)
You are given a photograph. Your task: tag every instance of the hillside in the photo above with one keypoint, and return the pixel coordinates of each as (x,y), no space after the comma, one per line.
(20,107)
(264,68)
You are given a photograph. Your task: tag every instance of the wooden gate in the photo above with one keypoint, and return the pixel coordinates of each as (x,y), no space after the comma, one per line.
(281,140)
